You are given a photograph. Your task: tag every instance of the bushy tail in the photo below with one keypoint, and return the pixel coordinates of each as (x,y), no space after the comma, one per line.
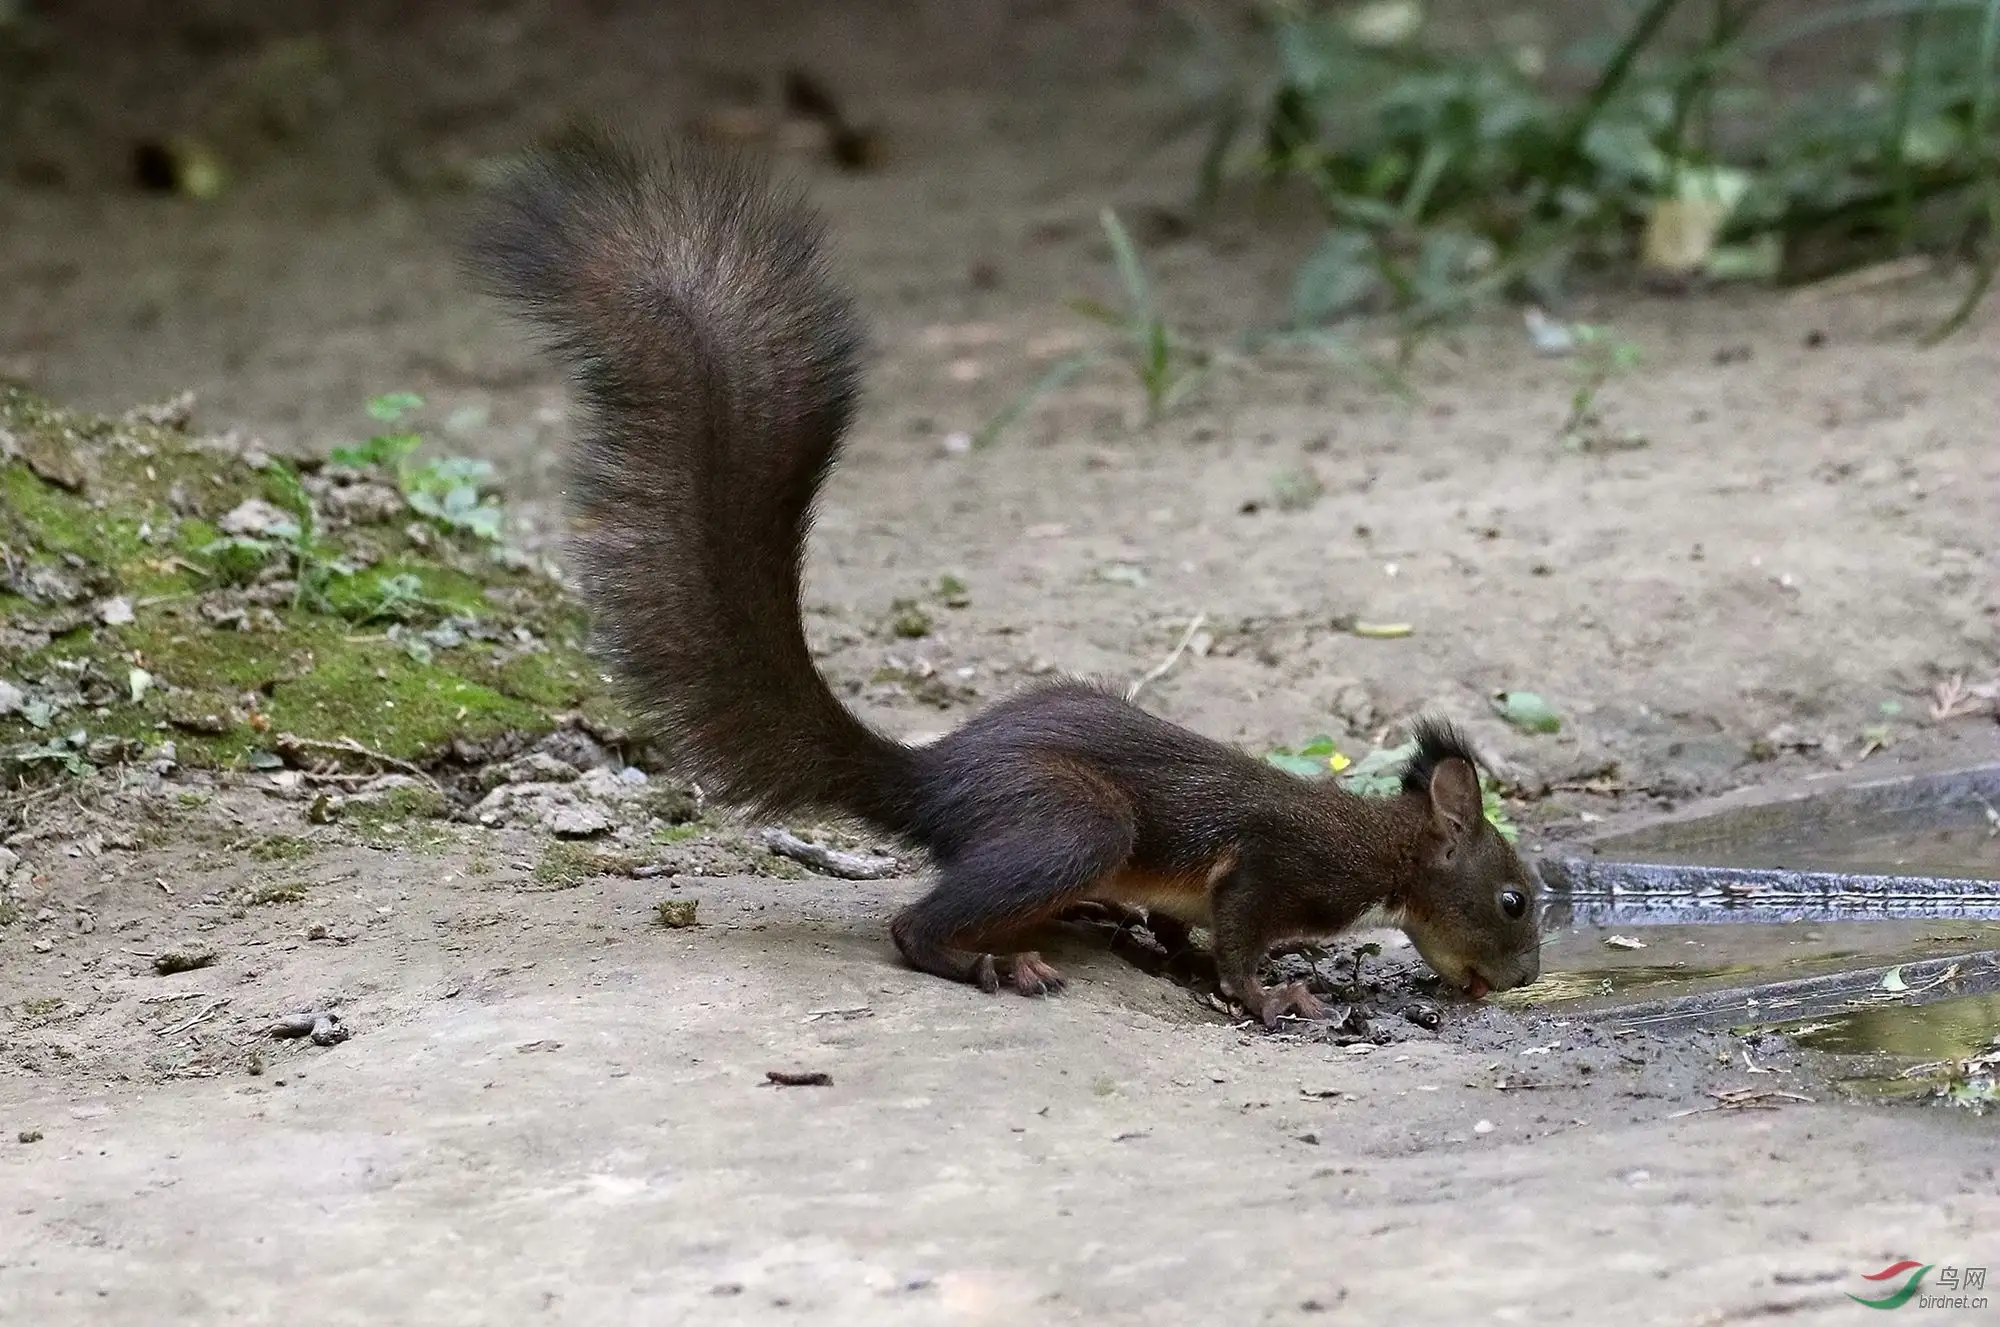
(717,366)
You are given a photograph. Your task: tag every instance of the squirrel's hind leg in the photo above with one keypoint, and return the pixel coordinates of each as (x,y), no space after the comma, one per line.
(996,888)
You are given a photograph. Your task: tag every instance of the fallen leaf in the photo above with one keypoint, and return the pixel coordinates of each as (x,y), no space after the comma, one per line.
(1527,711)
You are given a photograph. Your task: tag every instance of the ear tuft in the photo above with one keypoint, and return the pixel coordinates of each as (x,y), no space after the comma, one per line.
(1438,741)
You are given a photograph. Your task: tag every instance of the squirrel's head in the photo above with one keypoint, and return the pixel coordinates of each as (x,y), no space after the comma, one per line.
(1473,909)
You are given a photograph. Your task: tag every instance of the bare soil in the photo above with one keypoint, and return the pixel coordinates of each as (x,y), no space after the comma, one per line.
(551,1106)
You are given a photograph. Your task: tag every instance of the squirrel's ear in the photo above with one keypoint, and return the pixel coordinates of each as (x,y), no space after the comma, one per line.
(1455,799)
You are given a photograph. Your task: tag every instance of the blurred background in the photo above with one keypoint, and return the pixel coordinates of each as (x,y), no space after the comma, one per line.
(1631,352)
(249,199)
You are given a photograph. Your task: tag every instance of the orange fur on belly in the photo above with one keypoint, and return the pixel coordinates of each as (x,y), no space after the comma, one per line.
(1181,895)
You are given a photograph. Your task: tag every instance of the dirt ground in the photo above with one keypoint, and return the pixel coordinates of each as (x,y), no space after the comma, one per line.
(552,1108)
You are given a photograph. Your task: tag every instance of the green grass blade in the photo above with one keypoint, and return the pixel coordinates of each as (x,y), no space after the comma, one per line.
(1570,154)
(1895,155)
(1059,375)
(1131,273)
(1985,135)
(1436,160)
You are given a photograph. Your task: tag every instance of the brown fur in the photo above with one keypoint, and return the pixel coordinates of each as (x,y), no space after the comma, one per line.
(717,366)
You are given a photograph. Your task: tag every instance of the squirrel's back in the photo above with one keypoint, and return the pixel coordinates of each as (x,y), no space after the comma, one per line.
(717,366)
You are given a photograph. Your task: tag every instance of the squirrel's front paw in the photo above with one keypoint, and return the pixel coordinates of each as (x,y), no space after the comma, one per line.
(1292,998)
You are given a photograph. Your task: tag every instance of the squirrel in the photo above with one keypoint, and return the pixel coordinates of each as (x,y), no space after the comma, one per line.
(718,365)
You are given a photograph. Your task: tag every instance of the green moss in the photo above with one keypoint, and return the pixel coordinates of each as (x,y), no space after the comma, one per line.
(908,619)
(567,865)
(676,914)
(678,833)
(670,802)
(280,848)
(403,817)
(42,1007)
(144,525)
(10,912)
(289,892)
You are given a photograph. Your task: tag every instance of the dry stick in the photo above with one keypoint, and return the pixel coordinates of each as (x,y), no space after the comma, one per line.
(829,861)
(1165,666)
(1742,1098)
(353,748)
(201,1017)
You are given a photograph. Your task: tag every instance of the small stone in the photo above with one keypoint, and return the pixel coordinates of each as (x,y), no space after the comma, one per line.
(365,504)
(29,1136)
(175,960)
(115,612)
(676,914)
(957,444)
(42,946)
(535,767)
(576,821)
(253,518)
(292,1026)
(12,698)
(1483,1127)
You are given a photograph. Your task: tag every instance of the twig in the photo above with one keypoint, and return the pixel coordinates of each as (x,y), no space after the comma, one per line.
(1165,666)
(201,1017)
(855,1012)
(829,861)
(1743,1098)
(786,1078)
(349,746)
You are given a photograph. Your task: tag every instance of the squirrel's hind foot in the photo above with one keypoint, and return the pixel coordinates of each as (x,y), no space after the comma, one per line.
(1028,973)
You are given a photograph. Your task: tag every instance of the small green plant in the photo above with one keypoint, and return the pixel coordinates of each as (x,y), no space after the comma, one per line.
(312,565)
(397,598)
(66,754)
(1453,172)
(1168,366)
(450,491)
(1598,358)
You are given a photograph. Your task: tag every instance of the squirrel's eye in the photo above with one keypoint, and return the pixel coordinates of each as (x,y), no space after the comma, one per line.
(1514,903)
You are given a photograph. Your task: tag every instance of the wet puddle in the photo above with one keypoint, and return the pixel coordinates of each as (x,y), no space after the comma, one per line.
(1862,921)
